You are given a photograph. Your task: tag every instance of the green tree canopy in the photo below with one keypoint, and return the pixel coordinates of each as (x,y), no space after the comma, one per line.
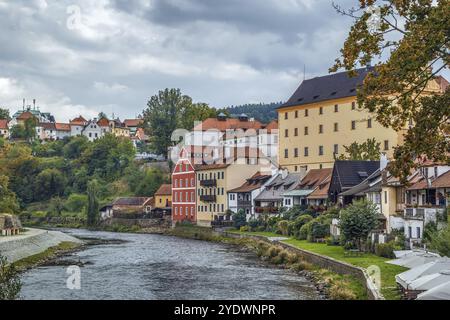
(10,284)
(357,221)
(8,200)
(414,37)
(368,150)
(4,114)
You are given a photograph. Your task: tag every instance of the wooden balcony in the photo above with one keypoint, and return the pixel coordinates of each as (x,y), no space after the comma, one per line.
(208,183)
(208,198)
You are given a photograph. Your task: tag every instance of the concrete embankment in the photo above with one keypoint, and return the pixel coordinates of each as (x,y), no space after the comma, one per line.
(33,241)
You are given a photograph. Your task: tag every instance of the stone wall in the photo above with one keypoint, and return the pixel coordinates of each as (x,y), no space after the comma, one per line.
(143,223)
(325,262)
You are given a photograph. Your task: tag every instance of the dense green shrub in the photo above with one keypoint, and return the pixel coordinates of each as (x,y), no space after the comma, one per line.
(239,219)
(75,203)
(385,250)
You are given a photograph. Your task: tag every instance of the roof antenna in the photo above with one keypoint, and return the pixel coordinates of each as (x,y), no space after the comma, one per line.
(304,72)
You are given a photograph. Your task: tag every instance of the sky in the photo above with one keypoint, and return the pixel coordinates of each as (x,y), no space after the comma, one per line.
(86,56)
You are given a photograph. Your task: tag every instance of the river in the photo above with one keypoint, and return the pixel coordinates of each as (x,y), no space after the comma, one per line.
(155,267)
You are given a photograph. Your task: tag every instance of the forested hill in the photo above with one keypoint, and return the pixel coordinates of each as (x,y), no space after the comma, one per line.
(264,112)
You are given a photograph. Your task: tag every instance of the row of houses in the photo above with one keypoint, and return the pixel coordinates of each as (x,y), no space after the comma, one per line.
(47,129)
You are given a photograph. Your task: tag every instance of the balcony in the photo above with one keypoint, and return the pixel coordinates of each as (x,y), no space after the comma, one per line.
(271,210)
(428,214)
(244,203)
(208,183)
(208,198)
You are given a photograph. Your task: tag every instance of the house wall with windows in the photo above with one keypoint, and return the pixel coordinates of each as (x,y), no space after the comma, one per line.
(184,192)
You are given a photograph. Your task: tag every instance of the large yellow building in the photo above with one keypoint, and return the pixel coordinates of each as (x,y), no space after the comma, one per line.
(322,117)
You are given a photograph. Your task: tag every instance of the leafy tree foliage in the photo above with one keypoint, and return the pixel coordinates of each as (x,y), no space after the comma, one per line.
(4,114)
(92,204)
(260,111)
(10,284)
(368,150)
(239,219)
(49,183)
(357,221)
(195,112)
(149,182)
(8,200)
(414,36)
(440,241)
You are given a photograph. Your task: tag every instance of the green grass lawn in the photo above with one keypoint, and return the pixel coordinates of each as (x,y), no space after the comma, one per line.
(388,271)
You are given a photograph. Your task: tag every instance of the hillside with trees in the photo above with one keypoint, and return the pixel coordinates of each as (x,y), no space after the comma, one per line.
(264,112)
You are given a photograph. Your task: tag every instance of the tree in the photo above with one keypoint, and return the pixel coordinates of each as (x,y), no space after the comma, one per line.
(8,200)
(10,284)
(57,205)
(414,37)
(357,221)
(149,183)
(30,129)
(4,114)
(75,147)
(49,183)
(368,150)
(162,117)
(92,203)
(440,241)
(239,219)
(18,132)
(195,112)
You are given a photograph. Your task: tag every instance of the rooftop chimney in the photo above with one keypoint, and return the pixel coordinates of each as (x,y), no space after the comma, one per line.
(34,104)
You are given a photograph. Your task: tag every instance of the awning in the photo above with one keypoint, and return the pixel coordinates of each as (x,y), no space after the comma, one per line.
(415,259)
(430,281)
(441,292)
(407,277)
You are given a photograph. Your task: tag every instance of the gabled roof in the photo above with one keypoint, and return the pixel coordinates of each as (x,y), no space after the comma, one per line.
(443,181)
(3,124)
(349,173)
(62,126)
(133,122)
(275,190)
(131,201)
(103,122)
(25,115)
(80,121)
(164,190)
(253,183)
(314,177)
(321,192)
(272,125)
(365,186)
(227,124)
(47,125)
(333,86)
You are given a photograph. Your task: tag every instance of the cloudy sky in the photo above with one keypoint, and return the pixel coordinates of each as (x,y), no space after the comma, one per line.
(86,56)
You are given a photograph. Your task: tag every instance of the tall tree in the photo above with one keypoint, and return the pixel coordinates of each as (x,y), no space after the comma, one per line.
(162,115)
(368,150)
(8,200)
(92,205)
(414,36)
(4,114)
(195,112)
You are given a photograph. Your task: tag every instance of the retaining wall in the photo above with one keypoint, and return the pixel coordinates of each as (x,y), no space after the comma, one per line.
(325,262)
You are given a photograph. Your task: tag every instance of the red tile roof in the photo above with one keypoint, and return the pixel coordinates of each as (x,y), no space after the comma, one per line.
(79,121)
(133,122)
(3,124)
(62,126)
(164,190)
(25,115)
(253,183)
(314,178)
(321,192)
(47,125)
(103,122)
(273,125)
(230,123)
(443,181)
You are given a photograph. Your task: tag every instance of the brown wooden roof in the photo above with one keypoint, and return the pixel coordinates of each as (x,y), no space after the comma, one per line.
(253,183)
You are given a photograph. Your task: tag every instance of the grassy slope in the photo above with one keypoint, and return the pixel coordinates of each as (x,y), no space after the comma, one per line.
(388,271)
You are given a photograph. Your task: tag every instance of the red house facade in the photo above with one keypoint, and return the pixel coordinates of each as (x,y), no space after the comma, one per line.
(183,190)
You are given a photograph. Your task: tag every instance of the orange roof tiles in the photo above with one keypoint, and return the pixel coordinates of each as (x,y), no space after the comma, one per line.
(133,122)
(230,123)
(103,122)
(78,121)
(164,190)
(3,124)
(62,126)
(25,115)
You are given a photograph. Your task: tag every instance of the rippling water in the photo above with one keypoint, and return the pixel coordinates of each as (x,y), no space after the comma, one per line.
(161,267)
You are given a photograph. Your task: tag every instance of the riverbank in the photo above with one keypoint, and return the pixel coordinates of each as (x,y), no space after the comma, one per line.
(34,242)
(329,284)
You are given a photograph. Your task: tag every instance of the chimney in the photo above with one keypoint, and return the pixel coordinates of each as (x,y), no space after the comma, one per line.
(383,161)
(34,104)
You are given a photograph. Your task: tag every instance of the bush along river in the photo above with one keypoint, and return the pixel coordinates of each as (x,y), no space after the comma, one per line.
(151,267)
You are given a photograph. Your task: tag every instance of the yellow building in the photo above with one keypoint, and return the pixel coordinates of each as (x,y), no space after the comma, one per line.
(163,197)
(121,132)
(322,117)
(213,183)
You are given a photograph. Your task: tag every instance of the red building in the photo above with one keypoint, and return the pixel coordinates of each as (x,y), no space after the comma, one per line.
(183,190)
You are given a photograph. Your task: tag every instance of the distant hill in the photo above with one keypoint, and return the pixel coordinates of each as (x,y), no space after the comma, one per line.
(264,112)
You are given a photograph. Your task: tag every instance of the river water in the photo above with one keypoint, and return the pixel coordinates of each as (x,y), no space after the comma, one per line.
(160,267)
